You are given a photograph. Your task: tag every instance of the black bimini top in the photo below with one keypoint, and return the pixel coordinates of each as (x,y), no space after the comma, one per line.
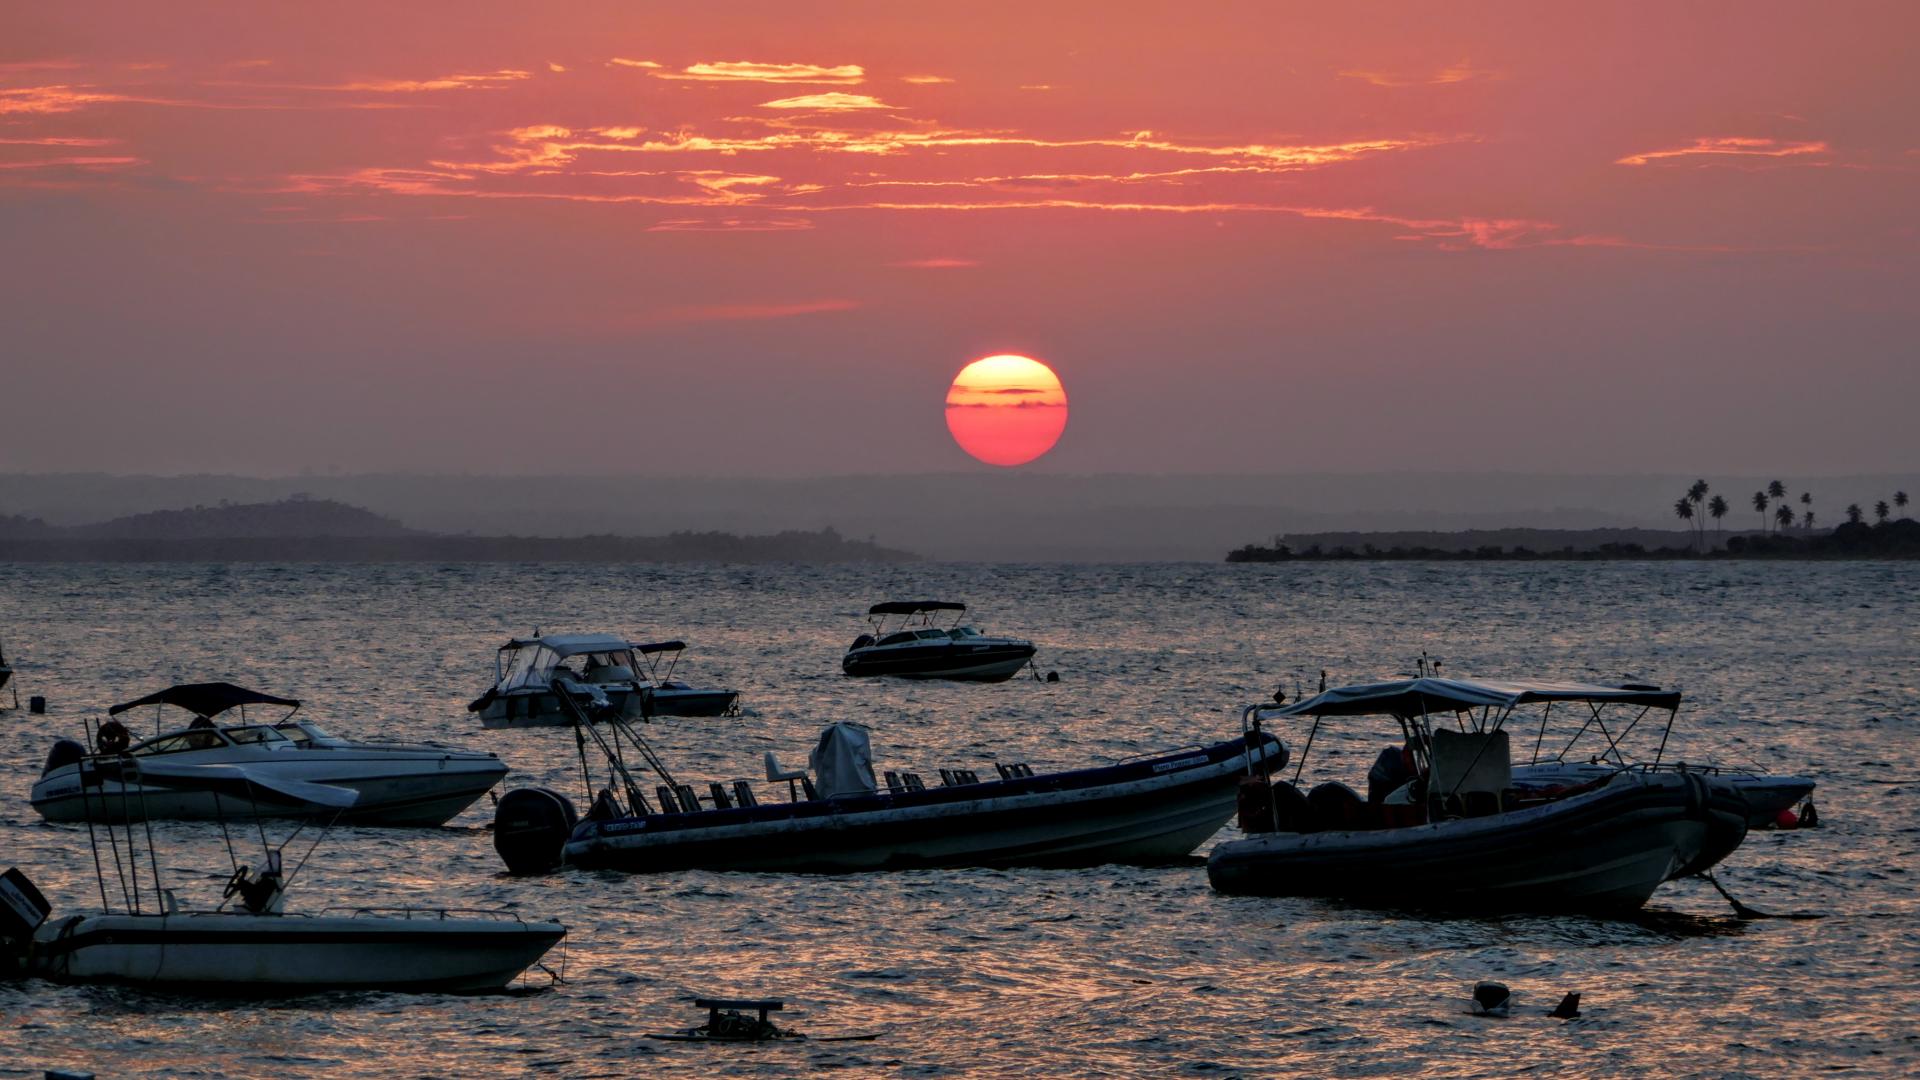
(659,647)
(1416,697)
(205,699)
(914,607)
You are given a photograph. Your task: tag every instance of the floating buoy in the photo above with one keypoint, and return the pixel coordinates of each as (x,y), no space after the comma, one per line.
(1053,676)
(36,705)
(1786,819)
(1491,999)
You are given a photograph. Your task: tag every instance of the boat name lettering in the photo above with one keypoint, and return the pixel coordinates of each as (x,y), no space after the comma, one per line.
(1179,763)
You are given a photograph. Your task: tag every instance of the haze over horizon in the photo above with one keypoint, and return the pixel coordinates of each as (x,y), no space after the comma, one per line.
(1252,238)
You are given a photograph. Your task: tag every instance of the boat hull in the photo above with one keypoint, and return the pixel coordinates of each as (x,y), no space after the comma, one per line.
(963,662)
(692,702)
(423,792)
(248,953)
(1604,851)
(1152,811)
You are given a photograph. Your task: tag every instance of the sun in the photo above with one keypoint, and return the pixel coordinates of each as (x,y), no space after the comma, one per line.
(1006,409)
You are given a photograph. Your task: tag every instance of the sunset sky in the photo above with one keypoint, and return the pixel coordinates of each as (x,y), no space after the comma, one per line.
(763,238)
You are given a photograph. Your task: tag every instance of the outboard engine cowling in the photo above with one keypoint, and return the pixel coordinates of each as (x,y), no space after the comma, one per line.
(22,910)
(530,829)
(65,752)
(861,642)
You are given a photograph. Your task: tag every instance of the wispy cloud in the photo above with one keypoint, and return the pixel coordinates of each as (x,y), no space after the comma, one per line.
(488,80)
(1730,146)
(1461,72)
(925,80)
(622,61)
(732,312)
(829,101)
(732,225)
(753,71)
(54,99)
(942,262)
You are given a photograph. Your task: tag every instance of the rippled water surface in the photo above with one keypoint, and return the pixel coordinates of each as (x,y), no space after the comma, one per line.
(1113,971)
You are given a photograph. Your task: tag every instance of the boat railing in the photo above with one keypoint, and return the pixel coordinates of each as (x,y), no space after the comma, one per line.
(434,913)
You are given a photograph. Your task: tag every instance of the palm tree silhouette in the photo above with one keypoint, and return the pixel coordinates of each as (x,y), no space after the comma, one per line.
(1808,518)
(1900,500)
(1760,507)
(1854,513)
(1784,515)
(1806,500)
(1880,511)
(1683,509)
(1777,489)
(1717,506)
(1697,495)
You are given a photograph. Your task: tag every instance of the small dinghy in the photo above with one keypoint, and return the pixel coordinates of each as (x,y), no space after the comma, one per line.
(254,946)
(837,818)
(1445,826)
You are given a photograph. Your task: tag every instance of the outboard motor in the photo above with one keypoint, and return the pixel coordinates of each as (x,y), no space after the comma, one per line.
(530,829)
(64,753)
(22,910)
(861,642)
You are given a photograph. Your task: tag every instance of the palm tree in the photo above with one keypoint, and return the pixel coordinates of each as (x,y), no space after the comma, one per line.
(1806,500)
(1683,509)
(1777,489)
(1854,513)
(1809,520)
(1900,500)
(1717,506)
(1784,515)
(1697,495)
(1880,511)
(1760,507)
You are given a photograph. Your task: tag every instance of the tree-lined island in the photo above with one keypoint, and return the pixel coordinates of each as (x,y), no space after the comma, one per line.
(1784,533)
(322,530)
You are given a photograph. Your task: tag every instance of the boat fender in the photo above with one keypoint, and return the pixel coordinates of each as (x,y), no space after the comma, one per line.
(64,753)
(1490,999)
(113,737)
(1786,819)
(1809,817)
(531,827)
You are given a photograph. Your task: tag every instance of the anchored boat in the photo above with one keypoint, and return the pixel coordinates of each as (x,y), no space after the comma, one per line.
(604,666)
(396,783)
(1445,824)
(917,649)
(838,818)
(249,943)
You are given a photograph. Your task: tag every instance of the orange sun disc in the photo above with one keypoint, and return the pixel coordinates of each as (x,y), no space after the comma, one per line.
(1006,409)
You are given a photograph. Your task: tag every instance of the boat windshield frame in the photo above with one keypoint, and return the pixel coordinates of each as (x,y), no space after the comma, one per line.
(529,664)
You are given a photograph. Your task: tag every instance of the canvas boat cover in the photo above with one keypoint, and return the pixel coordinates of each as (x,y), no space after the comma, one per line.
(1417,697)
(914,607)
(842,762)
(565,645)
(205,699)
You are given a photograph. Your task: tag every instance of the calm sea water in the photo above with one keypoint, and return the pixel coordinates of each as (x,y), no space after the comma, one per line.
(1107,972)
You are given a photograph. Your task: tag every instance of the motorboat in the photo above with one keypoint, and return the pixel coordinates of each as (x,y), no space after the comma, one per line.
(837,818)
(1446,826)
(250,944)
(915,648)
(668,696)
(396,783)
(609,667)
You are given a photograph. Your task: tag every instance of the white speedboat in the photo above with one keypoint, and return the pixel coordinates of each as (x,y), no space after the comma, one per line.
(917,649)
(254,947)
(397,784)
(527,670)
(1445,826)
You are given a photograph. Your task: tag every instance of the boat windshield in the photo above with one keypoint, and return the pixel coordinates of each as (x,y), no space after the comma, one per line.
(963,632)
(181,742)
(254,733)
(931,634)
(899,638)
(303,733)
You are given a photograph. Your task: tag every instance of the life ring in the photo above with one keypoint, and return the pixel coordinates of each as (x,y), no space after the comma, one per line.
(113,737)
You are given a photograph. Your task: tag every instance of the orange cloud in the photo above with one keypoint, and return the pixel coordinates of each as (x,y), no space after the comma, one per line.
(731,225)
(73,162)
(624,62)
(937,263)
(831,101)
(1446,76)
(925,80)
(53,99)
(1730,146)
(491,80)
(751,71)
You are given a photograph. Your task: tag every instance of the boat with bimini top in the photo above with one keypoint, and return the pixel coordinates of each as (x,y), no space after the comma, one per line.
(915,648)
(249,943)
(395,783)
(836,817)
(1445,825)
(605,666)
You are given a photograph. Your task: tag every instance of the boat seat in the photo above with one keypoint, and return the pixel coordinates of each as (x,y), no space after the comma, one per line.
(688,800)
(743,794)
(1334,806)
(668,804)
(946,778)
(893,783)
(1019,769)
(1472,766)
(965,776)
(911,781)
(719,793)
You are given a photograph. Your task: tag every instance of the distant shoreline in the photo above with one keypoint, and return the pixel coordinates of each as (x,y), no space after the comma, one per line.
(1897,540)
(810,547)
